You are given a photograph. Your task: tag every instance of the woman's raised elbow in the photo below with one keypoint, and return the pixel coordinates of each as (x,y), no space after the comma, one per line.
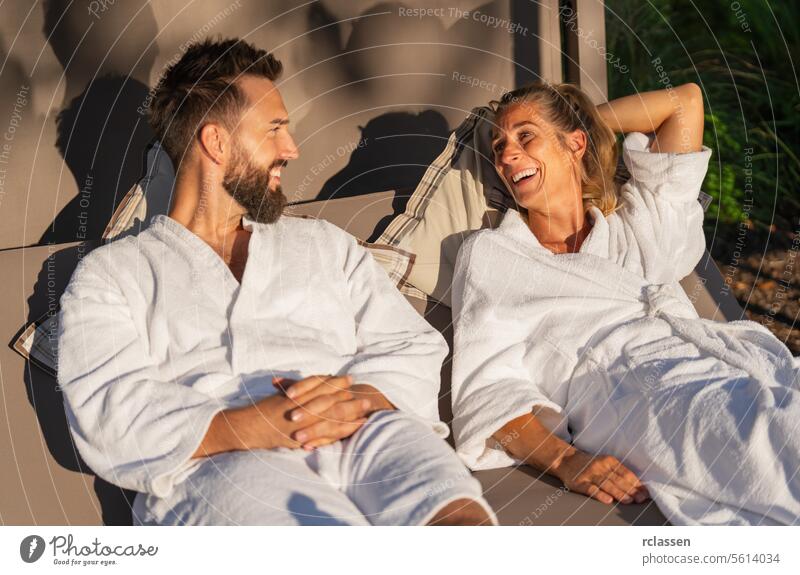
(683,130)
(691,95)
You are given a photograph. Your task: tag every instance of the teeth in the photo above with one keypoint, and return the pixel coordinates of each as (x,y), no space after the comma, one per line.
(524,174)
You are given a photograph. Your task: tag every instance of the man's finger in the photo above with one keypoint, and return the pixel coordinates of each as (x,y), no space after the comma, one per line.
(635,487)
(306,389)
(319,443)
(642,494)
(283,383)
(349,410)
(319,405)
(330,387)
(305,385)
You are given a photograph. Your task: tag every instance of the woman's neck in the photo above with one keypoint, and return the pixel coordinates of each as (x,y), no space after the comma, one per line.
(560,231)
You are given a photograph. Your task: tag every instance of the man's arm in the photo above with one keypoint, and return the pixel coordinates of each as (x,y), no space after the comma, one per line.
(398,353)
(325,405)
(133,427)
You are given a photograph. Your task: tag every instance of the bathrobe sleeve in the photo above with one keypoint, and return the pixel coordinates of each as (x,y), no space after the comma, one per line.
(491,383)
(398,352)
(660,205)
(132,428)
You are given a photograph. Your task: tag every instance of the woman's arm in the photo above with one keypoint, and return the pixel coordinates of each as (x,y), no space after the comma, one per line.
(603,477)
(675,115)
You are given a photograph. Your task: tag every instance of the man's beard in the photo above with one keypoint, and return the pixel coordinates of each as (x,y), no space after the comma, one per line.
(249,186)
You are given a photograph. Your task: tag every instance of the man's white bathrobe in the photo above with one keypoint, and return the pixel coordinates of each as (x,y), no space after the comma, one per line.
(608,351)
(157,336)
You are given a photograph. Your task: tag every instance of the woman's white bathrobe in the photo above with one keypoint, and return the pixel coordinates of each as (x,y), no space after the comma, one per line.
(607,350)
(157,336)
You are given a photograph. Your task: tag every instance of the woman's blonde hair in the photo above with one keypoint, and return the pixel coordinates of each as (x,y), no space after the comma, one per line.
(569,109)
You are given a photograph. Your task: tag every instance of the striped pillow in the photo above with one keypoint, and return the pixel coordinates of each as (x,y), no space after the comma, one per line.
(459,193)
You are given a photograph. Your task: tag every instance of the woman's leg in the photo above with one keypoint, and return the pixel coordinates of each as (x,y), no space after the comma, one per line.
(720,451)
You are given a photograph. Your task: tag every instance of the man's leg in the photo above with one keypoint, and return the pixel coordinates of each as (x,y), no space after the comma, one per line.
(462,512)
(399,472)
(260,487)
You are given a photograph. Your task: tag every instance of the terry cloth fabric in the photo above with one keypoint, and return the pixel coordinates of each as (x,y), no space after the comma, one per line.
(157,336)
(148,198)
(605,348)
(459,194)
(151,196)
(38,341)
(392,471)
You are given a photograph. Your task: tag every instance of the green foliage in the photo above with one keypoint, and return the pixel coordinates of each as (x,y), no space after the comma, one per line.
(744,60)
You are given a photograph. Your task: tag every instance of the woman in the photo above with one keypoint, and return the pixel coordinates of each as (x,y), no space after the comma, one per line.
(576,350)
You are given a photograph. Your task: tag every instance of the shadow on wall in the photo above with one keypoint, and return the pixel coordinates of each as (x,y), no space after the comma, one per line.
(102,139)
(393,152)
(102,131)
(47,400)
(394,148)
(389,61)
(396,62)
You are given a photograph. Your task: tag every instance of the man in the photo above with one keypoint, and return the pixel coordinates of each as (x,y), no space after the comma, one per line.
(190,355)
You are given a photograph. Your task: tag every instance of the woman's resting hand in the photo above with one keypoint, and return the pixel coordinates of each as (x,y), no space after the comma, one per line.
(602,477)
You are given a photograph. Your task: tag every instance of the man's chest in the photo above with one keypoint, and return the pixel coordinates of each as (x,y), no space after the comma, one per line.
(287,298)
(234,252)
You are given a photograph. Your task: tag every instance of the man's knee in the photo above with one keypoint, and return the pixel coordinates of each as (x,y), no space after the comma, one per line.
(462,512)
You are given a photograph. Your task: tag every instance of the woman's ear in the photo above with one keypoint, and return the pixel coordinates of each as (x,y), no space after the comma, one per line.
(577,142)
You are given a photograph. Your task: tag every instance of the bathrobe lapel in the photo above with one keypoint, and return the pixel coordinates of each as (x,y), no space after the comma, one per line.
(573,271)
(214,277)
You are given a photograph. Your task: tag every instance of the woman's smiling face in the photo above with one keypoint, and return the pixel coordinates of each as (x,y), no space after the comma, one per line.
(537,167)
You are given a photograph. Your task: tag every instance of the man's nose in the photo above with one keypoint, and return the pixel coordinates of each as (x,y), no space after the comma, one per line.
(289,150)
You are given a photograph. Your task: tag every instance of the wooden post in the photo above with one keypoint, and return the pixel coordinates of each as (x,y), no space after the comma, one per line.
(591,41)
(549,41)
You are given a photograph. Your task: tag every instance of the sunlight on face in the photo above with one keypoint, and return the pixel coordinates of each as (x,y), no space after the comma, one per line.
(263,130)
(261,147)
(532,160)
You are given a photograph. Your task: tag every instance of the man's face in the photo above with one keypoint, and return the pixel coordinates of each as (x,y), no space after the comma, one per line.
(261,147)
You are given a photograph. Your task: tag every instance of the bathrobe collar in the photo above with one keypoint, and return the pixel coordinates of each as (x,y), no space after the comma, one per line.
(596,243)
(193,248)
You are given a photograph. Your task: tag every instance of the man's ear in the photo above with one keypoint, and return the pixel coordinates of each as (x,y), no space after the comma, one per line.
(214,142)
(577,141)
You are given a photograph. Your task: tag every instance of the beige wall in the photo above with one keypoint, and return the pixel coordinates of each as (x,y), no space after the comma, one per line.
(355,71)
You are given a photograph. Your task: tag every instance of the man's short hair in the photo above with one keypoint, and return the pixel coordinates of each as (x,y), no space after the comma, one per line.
(201,88)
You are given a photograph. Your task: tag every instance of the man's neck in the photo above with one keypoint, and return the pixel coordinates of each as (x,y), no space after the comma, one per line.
(205,209)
